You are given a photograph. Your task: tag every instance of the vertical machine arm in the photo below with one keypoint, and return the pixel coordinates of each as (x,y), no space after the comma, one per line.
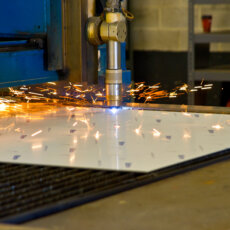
(112,30)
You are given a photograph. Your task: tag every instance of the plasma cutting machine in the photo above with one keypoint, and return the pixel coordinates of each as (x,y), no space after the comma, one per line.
(47,40)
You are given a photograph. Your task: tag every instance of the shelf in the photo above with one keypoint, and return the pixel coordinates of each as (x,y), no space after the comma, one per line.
(214,37)
(211,2)
(212,75)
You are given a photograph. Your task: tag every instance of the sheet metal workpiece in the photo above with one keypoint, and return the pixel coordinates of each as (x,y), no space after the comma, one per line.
(125,139)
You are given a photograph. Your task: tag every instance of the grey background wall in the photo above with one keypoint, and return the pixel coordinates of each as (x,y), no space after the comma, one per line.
(160,39)
(162,24)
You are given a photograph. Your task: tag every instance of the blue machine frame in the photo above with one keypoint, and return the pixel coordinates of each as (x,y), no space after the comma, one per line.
(21,21)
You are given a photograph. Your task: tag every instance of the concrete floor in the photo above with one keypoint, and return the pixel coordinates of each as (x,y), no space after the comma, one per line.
(195,200)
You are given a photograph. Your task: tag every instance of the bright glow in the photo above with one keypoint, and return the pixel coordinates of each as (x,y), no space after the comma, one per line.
(208,85)
(70,109)
(154,87)
(206,88)
(184,87)
(217,127)
(35,134)
(117,126)
(52,83)
(37,94)
(97,135)
(85,137)
(138,131)
(193,90)
(75,141)
(187,114)
(156,133)
(74,124)
(3,107)
(187,135)
(36,146)
(173,95)
(114,110)
(72,158)
(18,130)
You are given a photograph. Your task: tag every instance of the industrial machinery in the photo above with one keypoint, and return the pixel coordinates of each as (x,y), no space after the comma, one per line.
(110,29)
(46,41)
(62,155)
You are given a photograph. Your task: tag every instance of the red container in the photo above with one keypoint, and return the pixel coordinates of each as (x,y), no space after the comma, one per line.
(207,23)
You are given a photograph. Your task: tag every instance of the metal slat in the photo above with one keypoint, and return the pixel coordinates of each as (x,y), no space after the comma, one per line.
(201,2)
(212,38)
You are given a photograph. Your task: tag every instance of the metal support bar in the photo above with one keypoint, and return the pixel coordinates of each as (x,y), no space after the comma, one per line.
(191,51)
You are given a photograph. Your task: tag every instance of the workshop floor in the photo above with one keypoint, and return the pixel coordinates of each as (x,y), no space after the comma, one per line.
(195,200)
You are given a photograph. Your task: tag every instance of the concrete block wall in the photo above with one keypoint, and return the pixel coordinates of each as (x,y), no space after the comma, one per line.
(162,25)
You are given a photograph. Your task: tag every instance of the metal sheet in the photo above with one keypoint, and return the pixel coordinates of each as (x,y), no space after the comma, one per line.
(113,139)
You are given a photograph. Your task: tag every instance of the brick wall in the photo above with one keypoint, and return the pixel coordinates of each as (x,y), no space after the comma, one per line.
(162,24)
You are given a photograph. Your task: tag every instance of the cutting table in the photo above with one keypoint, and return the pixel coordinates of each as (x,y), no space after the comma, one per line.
(72,155)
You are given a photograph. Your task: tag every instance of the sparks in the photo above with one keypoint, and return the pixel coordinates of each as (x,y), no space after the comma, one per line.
(194,90)
(184,87)
(208,85)
(52,83)
(206,88)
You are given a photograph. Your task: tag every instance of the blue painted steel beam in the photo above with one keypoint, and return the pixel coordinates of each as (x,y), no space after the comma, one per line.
(29,19)
(23,17)
(24,68)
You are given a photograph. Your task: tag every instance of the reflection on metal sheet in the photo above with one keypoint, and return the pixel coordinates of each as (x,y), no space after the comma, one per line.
(114,139)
